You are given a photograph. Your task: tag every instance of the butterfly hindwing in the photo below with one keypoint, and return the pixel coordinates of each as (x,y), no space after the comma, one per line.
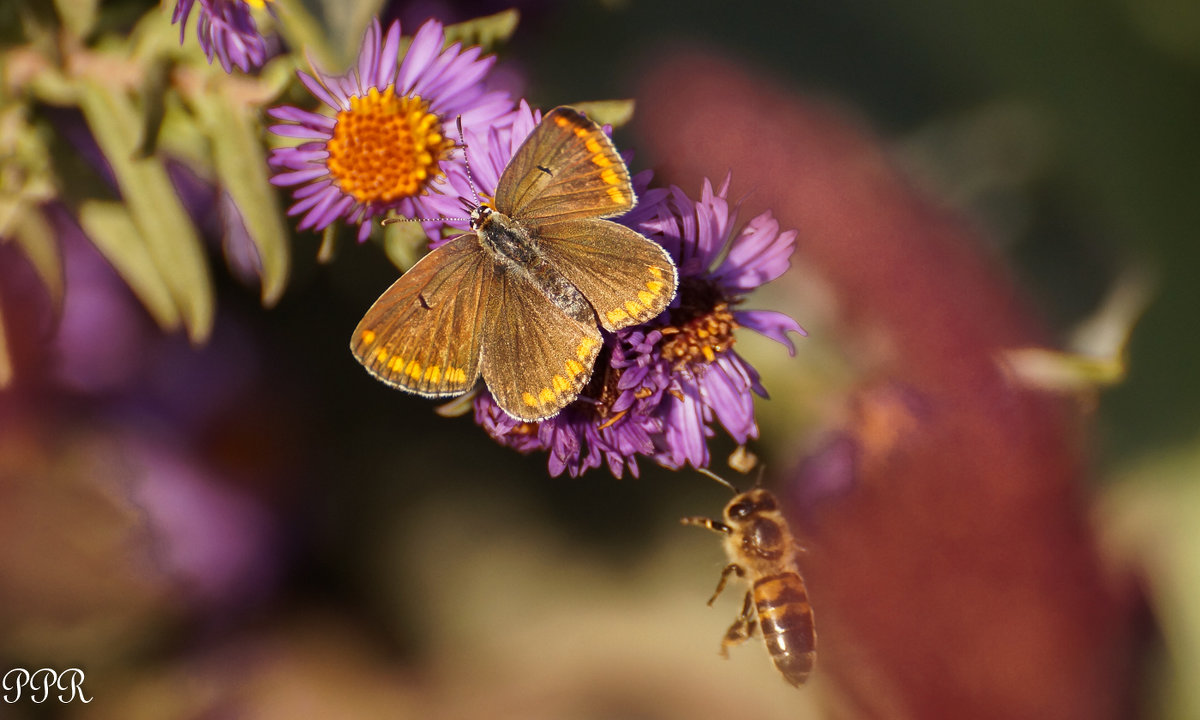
(567,168)
(627,278)
(423,333)
(535,358)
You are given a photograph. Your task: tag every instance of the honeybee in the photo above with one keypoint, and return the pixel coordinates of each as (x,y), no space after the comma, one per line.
(761,551)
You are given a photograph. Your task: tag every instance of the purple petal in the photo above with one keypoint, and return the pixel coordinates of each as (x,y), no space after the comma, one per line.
(319,91)
(772,324)
(368,56)
(758,255)
(421,54)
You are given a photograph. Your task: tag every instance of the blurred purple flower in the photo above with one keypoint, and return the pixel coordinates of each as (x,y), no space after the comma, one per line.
(658,388)
(216,541)
(388,144)
(226,29)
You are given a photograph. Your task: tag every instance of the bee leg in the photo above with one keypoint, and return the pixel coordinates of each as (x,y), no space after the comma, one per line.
(742,628)
(730,569)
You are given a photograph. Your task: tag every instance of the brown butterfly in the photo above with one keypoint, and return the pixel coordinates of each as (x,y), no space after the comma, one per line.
(519,299)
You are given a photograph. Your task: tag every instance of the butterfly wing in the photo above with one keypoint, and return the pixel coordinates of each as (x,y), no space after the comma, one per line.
(566,168)
(627,278)
(423,333)
(535,358)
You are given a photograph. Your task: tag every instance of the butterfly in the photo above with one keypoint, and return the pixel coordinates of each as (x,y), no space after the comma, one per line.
(521,299)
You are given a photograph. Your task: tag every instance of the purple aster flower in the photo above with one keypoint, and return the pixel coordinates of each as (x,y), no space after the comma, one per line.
(659,388)
(226,29)
(388,142)
(718,266)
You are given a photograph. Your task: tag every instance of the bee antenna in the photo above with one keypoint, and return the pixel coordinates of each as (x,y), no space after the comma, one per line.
(718,478)
(761,470)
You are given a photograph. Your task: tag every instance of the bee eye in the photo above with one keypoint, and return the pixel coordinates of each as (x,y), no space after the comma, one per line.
(740,510)
(766,535)
(765,501)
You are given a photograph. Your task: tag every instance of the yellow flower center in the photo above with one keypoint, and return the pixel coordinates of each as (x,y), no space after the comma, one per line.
(385,148)
(701,327)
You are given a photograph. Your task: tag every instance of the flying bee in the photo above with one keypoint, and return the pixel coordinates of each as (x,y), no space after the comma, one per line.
(761,551)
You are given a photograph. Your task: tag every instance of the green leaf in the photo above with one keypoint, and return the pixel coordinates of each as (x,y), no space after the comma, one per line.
(328,248)
(113,232)
(26,183)
(1149,523)
(241,167)
(404,243)
(306,34)
(346,21)
(37,241)
(154,89)
(607,112)
(169,237)
(487,32)
(78,16)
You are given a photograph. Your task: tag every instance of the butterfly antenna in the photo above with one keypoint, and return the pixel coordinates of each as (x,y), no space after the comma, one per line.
(718,478)
(467,205)
(462,140)
(394,219)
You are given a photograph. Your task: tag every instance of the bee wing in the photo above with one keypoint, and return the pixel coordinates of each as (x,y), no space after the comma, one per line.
(627,278)
(535,358)
(566,168)
(423,333)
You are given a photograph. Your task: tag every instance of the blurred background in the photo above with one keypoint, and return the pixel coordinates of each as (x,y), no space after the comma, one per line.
(989,442)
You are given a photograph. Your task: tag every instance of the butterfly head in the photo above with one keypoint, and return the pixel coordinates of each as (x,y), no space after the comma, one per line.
(479,216)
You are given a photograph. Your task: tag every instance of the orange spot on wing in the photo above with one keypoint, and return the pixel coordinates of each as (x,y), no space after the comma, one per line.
(584,351)
(616,316)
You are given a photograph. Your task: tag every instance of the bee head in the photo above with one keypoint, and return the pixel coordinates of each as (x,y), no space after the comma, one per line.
(750,503)
(755,515)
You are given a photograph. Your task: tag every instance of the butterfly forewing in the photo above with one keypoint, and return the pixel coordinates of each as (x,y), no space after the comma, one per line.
(535,358)
(567,168)
(627,278)
(423,333)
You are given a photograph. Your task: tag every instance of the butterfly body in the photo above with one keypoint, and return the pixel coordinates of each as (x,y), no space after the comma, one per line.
(515,251)
(521,299)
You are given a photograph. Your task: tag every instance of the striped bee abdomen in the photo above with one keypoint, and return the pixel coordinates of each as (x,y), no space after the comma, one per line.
(785,618)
